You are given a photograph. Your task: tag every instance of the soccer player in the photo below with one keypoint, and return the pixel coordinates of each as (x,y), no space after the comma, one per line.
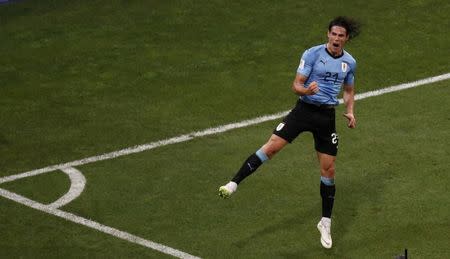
(323,71)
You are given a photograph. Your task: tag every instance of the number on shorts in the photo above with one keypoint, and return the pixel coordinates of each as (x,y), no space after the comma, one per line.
(334,138)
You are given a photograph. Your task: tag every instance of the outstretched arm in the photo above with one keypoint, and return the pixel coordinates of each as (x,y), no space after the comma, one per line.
(349,100)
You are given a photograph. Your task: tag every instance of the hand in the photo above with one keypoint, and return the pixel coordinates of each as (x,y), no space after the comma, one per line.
(351,120)
(312,88)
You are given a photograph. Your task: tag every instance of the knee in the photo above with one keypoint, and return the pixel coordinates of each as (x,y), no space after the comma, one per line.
(274,145)
(270,150)
(328,171)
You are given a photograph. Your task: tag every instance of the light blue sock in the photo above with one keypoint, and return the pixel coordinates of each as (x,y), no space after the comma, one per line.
(327,181)
(261,155)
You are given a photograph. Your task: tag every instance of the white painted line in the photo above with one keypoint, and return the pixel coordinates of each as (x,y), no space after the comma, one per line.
(144,147)
(210,131)
(77,183)
(95,225)
(400,87)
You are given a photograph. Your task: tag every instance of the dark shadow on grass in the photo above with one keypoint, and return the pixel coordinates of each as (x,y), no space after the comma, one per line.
(3,140)
(310,253)
(352,195)
(301,223)
(271,229)
(362,190)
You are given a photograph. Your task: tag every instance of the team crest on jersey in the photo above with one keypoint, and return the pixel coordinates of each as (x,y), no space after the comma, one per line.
(280,126)
(344,67)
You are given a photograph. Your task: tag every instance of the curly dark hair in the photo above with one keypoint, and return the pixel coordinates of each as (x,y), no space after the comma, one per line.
(351,26)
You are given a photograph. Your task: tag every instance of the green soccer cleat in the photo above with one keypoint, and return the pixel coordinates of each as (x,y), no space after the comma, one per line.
(228,189)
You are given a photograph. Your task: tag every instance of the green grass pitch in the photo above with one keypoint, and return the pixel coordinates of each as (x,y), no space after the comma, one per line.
(83,78)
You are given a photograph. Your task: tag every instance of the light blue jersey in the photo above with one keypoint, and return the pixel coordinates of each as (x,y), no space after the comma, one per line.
(317,64)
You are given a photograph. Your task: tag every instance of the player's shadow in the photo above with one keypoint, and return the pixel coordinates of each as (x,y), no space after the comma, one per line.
(268,230)
(365,189)
(3,140)
(296,221)
(352,195)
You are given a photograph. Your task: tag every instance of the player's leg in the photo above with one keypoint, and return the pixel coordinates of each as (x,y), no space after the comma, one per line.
(327,187)
(326,143)
(283,134)
(327,192)
(266,152)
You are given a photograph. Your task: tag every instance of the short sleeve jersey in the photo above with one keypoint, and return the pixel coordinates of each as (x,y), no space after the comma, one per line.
(330,72)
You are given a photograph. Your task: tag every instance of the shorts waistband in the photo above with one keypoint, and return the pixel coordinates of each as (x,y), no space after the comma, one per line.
(317,106)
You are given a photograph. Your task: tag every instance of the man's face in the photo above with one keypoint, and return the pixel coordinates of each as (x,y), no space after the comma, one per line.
(337,37)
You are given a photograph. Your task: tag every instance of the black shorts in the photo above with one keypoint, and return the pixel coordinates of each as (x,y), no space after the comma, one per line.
(319,120)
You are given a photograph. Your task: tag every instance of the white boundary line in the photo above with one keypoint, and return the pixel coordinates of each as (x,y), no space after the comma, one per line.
(210,131)
(77,184)
(144,147)
(95,225)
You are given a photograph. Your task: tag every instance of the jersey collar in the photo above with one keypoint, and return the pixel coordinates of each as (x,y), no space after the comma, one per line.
(331,55)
